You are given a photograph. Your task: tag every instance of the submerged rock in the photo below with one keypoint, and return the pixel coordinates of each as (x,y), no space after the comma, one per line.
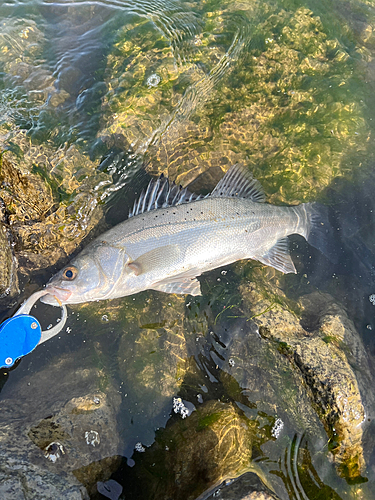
(59,435)
(246,487)
(325,353)
(279,83)
(157,85)
(154,340)
(22,480)
(28,84)
(8,276)
(191,455)
(50,209)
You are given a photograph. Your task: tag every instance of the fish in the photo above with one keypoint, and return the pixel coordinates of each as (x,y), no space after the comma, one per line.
(172,236)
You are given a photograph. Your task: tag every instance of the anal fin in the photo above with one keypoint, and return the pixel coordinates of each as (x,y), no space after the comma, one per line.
(186,286)
(278,257)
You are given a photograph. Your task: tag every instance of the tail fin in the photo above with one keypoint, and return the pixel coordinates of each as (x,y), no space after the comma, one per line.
(317,228)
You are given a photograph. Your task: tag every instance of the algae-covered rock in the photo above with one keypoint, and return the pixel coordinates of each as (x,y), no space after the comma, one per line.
(299,121)
(266,380)
(153,93)
(291,114)
(219,438)
(191,455)
(49,199)
(286,99)
(155,341)
(329,360)
(26,198)
(159,354)
(8,276)
(57,430)
(155,82)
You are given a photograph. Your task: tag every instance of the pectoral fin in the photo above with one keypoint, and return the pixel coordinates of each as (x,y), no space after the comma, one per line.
(186,286)
(135,267)
(278,257)
(158,258)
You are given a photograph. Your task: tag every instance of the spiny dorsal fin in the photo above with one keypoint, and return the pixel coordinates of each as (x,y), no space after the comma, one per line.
(238,182)
(160,194)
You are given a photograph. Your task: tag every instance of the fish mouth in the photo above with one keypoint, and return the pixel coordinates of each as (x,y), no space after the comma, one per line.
(56,296)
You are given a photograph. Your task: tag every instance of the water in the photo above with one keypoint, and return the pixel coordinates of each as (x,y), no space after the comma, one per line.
(276,372)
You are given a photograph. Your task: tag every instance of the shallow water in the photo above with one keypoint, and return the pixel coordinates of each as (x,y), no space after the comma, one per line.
(276,372)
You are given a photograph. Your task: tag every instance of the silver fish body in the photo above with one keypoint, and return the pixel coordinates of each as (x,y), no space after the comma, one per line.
(166,248)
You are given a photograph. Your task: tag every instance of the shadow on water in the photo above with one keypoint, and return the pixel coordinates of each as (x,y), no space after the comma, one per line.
(350,275)
(351,281)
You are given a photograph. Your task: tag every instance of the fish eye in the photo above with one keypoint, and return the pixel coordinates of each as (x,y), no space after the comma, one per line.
(70,273)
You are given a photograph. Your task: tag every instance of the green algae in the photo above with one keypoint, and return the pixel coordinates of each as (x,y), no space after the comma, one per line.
(325,368)
(292,105)
(208,420)
(50,200)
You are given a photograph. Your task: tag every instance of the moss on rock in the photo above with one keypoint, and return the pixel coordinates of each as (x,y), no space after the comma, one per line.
(325,369)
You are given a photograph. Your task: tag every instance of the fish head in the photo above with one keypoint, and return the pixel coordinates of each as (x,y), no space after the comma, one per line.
(75,283)
(92,275)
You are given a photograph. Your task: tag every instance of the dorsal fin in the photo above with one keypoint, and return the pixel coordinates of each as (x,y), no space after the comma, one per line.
(160,194)
(239,182)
